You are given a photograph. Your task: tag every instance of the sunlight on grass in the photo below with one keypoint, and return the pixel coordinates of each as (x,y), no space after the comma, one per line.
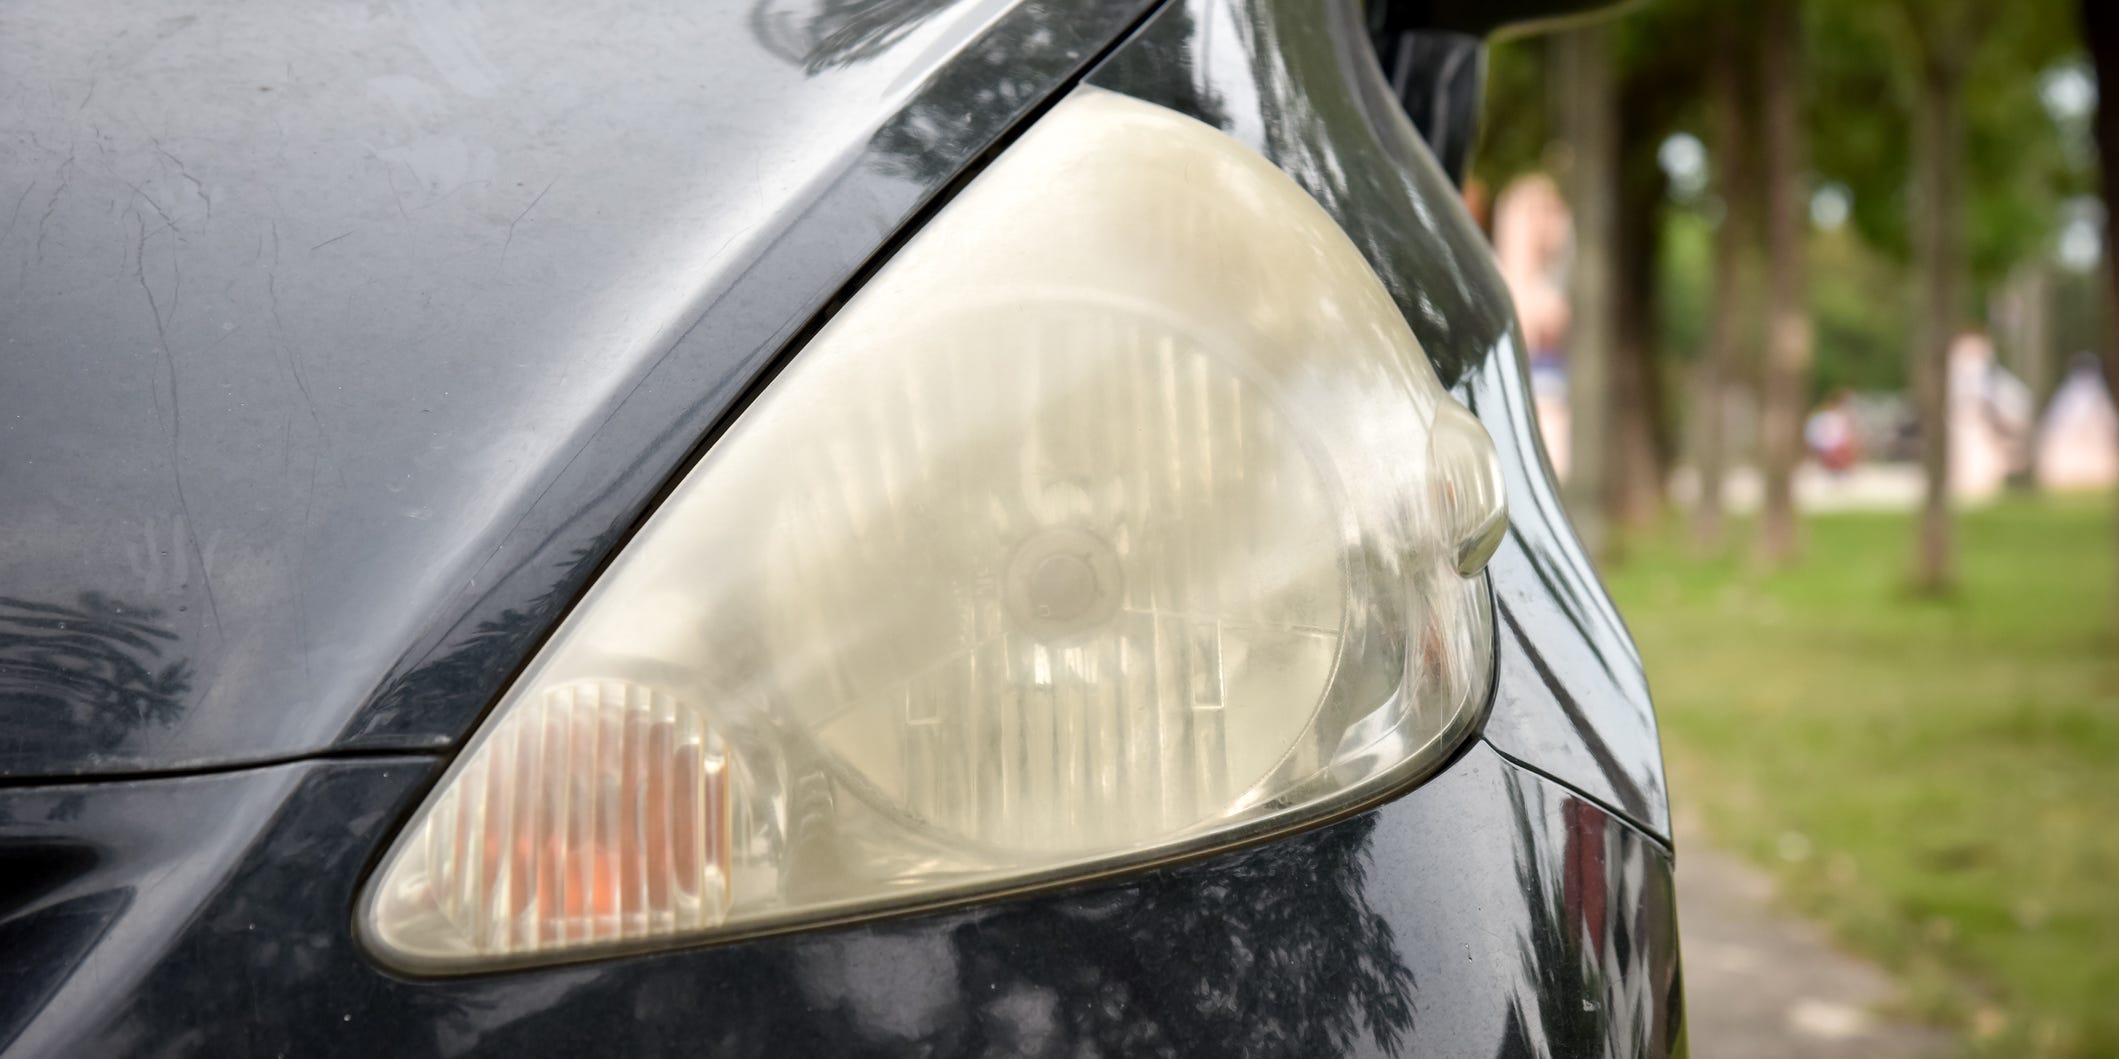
(1933,779)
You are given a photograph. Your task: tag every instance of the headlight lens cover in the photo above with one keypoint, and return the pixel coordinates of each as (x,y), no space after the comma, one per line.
(1118,517)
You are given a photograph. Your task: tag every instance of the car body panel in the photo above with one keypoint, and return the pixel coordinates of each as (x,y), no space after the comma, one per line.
(341,345)
(1517,903)
(337,495)
(1489,912)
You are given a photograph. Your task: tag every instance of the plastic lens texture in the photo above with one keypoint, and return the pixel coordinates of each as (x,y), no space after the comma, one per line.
(1118,517)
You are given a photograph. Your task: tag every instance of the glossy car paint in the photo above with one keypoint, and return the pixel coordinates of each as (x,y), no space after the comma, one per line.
(1436,75)
(341,345)
(1517,904)
(1489,912)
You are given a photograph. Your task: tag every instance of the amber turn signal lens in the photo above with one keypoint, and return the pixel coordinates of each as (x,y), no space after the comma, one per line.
(598,813)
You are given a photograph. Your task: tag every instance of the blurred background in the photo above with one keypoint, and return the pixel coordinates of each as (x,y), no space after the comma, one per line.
(1818,299)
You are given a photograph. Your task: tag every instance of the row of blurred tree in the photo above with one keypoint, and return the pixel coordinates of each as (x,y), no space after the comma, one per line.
(1788,197)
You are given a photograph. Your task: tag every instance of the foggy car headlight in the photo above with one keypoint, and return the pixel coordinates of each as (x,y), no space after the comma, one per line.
(1118,517)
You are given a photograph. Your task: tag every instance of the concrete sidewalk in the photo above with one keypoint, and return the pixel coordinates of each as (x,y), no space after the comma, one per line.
(1761,984)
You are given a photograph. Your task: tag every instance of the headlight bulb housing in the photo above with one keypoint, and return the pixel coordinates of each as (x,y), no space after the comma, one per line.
(1118,517)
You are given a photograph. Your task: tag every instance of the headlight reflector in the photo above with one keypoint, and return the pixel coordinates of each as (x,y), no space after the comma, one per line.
(1118,516)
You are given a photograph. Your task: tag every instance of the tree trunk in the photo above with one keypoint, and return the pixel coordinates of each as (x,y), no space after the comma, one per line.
(1637,438)
(2100,24)
(1590,125)
(1732,173)
(1788,322)
(1637,444)
(2030,343)
(1938,148)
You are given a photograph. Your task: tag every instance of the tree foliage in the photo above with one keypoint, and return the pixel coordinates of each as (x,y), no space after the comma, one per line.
(1860,74)
(1864,78)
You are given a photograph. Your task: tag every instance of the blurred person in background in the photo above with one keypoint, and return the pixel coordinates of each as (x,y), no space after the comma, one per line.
(1832,434)
(1990,419)
(1533,231)
(2078,443)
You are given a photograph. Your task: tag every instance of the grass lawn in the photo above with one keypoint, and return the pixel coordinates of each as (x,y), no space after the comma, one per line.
(1936,781)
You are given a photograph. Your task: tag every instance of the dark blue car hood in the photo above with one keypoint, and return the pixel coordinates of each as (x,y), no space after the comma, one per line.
(340,343)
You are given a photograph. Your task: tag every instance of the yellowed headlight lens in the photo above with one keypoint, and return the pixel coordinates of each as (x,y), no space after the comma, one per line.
(1118,516)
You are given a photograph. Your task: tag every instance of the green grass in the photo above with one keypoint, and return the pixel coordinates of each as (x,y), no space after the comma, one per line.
(1935,780)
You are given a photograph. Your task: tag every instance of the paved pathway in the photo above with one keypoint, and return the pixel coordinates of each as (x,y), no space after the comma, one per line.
(1760,984)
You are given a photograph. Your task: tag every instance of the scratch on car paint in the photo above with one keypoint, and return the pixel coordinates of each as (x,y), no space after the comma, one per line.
(510,240)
